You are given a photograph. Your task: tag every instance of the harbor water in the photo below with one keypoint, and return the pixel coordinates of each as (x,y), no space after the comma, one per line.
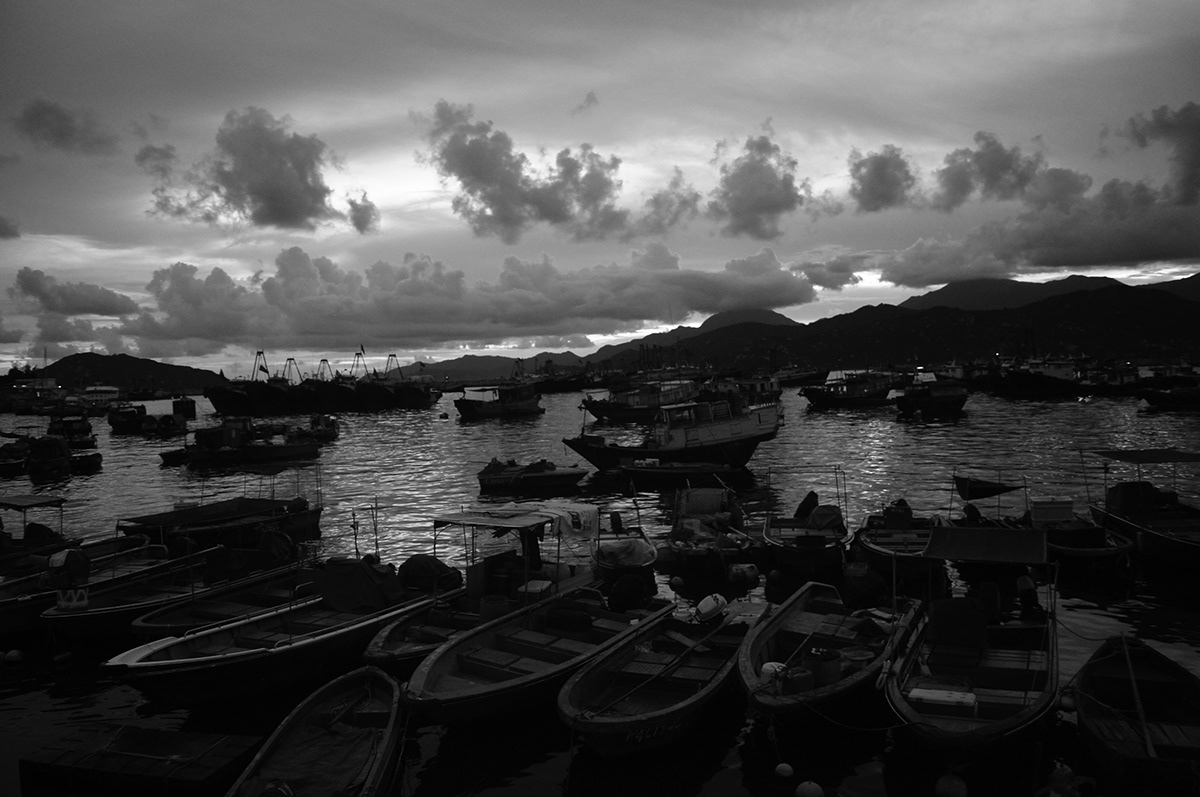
(389,474)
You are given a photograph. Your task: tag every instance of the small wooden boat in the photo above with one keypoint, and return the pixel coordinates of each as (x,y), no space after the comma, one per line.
(344,738)
(26,551)
(322,428)
(235,522)
(1139,715)
(707,535)
(542,476)
(502,665)
(972,675)
(1081,549)
(623,550)
(225,602)
(811,545)
(813,651)
(892,543)
(653,688)
(285,647)
(110,610)
(71,574)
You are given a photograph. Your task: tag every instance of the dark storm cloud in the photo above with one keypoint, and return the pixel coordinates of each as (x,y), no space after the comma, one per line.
(9,335)
(364,215)
(69,298)
(49,124)
(58,328)
(313,301)
(157,161)
(669,207)
(996,172)
(502,194)
(588,103)
(756,189)
(9,160)
(8,228)
(835,273)
(260,173)
(1181,130)
(881,180)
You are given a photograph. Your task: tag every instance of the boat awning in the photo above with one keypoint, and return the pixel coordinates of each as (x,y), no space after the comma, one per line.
(563,519)
(21,503)
(1006,545)
(971,489)
(1149,456)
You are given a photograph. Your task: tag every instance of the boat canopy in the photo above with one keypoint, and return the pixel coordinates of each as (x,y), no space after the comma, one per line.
(21,503)
(1149,456)
(1007,545)
(563,519)
(971,489)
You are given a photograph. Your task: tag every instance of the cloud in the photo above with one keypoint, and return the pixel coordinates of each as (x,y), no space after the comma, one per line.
(9,335)
(996,172)
(364,215)
(58,328)
(1180,129)
(157,161)
(260,173)
(309,301)
(668,207)
(49,124)
(69,298)
(881,180)
(588,103)
(502,194)
(8,228)
(755,190)
(837,272)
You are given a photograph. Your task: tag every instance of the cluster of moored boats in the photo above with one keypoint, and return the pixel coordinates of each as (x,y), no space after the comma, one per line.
(215,603)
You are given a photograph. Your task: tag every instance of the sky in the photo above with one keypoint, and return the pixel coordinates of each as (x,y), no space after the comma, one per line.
(197,181)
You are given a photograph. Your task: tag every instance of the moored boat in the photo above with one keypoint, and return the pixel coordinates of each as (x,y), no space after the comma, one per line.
(725,432)
(653,688)
(291,646)
(810,545)
(640,403)
(235,522)
(971,674)
(504,664)
(813,651)
(1138,713)
(517,399)
(853,390)
(708,535)
(541,476)
(892,543)
(344,738)
(932,399)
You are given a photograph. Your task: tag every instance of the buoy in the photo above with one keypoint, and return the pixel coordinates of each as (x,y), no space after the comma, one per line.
(14,657)
(1066,701)
(710,607)
(771,669)
(783,770)
(676,583)
(809,789)
(950,785)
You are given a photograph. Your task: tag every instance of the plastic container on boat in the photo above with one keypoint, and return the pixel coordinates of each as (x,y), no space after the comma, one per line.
(824,663)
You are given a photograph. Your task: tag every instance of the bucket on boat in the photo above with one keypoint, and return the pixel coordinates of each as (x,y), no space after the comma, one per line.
(825,664)
(492,606)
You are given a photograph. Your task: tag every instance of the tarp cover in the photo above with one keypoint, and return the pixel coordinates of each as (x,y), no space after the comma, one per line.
(563,518)
(353,585)
(1012,545)
(1149,456)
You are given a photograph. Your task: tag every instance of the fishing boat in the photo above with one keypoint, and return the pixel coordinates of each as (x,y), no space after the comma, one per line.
(70,575)
(707,535)
(344,738)
(1138,713)
(853,390)
(892,543)
(813,652)
(110,610)
(224,602)
(810,545)
(656,474)
(26,551)
(500,580)
(502,665)
(1079,548)
(726,432)
(639,403)
(971,674)
(288,647)
(1165,530)
(929,398)
(541,476)
(510,400)
(238,522)
(653,688)
(321,428)
(621,551)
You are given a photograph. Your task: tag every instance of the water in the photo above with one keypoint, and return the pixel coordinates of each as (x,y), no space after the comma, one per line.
(390,473)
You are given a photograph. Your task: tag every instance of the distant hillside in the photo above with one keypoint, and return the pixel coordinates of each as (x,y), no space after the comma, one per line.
(131,374)
(731,318)
(1001,294)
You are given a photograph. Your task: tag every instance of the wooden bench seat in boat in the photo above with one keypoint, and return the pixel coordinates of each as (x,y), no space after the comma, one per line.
(499,664)
(1000,703)
(539,645)
(1127,735)
(608,626)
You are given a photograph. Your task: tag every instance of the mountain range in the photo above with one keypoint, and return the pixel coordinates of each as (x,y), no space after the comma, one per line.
(969,321)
